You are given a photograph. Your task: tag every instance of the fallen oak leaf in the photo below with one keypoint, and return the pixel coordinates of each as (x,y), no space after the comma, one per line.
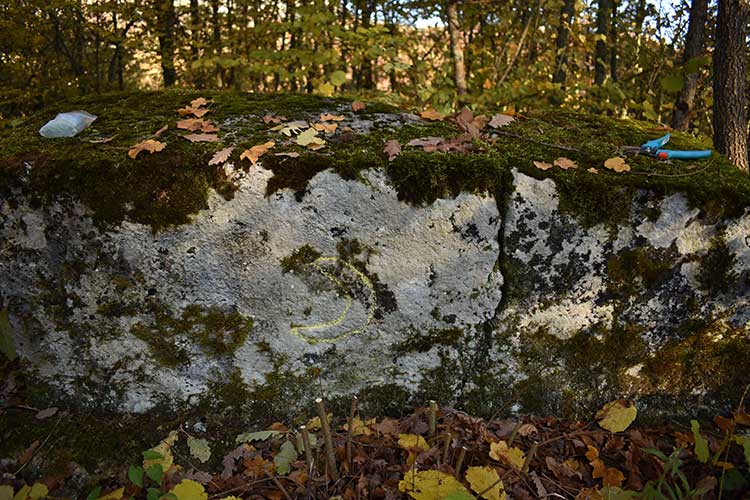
(430,114)
(310,139)
(592,170)
(466,122)
(272,118)
(290,128)
(358,106)
(500,120)
(199,102)
(328,117)
(425,141)
(221,156)
(202,137)
(392,148)
(543,165)
(328,128)
(192,124)
(149,145)
(617,164)
(565,163)
(197,112)
(255,152)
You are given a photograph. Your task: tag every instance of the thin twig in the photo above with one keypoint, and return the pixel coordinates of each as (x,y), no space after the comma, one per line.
(330,450)
(433,417)
(460,462)
(33,453)
(279,485)
(349,433)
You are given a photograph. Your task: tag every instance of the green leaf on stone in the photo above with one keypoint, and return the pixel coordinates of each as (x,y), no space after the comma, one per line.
(155,473)
(153,494)
(135,474)
(6,339)
(701,445)
(199,448)
(338,78)
(284,458)
(247,437)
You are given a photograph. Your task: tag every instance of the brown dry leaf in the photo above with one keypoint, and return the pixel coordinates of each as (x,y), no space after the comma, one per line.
(565,163)
(46,413)
(193,124)
(527,429)
(328,128)
(199,102)
(256,152)
(202,137)
(426,142)
(589,494)
(466,122)
(272,118)
(328,117)
(392,148)
(610,476)
(592,454)
(617,164)
(290,154)
(161,131)
(26,455)
(221,156)
(358,106)
(149,145)
(387,427)
(512,456)
(431,114)
(742,417)
(543,165)
(592,170)
(500,120)
(197,112)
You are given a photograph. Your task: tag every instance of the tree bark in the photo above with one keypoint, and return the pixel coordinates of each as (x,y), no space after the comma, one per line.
(567,14)
(603,20)
(457,48)
(693,48)
(166,22)
(730,113)
(613,43)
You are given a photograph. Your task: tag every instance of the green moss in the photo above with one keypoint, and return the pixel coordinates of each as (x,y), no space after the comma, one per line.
(574,377)
(633,271)
(423,342)
(716,274)
(167,188)
(300,259)
(216,331)
(386,400)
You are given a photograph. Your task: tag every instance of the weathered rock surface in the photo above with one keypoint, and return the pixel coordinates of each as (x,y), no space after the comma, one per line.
(500,302)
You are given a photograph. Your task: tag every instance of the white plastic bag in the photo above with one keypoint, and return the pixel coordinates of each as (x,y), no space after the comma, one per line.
(67,124)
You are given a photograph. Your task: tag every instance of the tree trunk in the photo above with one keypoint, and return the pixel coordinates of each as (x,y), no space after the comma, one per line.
(166,21)
(603,20)
(693,48)
(457,48)
(366,68)
(613,43)
(730,114)
(567,14)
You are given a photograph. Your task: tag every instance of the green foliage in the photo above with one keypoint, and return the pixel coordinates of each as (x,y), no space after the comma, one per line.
(155,472)
(701,445)
(135,475)
(672,483)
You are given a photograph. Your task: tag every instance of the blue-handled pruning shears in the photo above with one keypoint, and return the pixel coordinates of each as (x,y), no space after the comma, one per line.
(653,148)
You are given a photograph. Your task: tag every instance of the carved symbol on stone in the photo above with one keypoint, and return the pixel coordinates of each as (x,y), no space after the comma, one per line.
(320,265)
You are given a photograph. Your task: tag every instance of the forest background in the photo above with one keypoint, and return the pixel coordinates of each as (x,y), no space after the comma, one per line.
(678,63)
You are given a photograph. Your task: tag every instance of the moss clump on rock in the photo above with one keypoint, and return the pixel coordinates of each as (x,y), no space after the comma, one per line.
(716,274)
(635,270)
(217,331)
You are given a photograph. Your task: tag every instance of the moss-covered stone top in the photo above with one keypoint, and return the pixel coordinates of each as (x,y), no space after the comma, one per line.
(166,188)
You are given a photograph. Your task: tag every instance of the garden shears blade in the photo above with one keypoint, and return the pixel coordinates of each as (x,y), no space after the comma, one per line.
(654,148)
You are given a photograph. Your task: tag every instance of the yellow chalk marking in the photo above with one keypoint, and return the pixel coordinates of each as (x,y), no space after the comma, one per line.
(298,330)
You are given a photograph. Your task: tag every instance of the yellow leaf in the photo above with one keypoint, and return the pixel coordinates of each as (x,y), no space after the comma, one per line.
(189,490)
(35,492)
(616,417)
(413,444)
(6,492)
(307,137)
(114,495)
(617,164)
(511,456)
(481,478)
(164,448)
(430,485)
(359,427)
